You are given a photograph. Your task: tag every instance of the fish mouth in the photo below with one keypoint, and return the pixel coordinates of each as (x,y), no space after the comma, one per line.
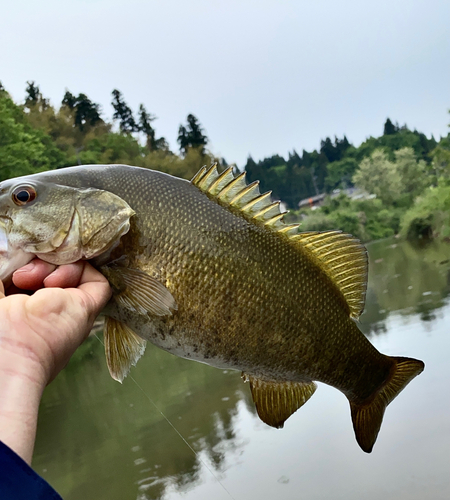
(3,236)
(10,258)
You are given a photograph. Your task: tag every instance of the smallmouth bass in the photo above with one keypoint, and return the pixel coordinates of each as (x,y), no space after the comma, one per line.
(208,271)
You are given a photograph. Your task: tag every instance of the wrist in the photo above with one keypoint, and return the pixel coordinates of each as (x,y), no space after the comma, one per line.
(21,387)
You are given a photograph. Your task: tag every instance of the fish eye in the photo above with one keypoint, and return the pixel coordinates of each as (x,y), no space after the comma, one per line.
(23,195)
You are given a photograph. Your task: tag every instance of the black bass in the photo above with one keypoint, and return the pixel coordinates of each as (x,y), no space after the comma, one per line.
(207,270)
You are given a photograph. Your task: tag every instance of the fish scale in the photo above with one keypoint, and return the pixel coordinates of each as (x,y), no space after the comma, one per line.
(208,271)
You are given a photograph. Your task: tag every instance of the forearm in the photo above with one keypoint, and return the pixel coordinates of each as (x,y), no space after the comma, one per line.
(20,393)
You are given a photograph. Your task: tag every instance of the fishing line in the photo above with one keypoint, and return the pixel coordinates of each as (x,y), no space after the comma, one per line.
(176,430)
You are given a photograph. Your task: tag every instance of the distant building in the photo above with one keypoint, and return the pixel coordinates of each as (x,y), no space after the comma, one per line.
(313,201)
(353,193)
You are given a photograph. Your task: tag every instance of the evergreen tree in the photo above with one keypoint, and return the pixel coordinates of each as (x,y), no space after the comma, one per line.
(182,139)
(341,145)
(389,128)
(33,94)
(294,159)
(192,135)
(336,151)
(145,120)
(123,113)
(328,149)
(69,100)
(85,111)
(34,98)
(306,158)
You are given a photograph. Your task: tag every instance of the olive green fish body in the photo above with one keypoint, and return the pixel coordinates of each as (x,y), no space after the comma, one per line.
(247,299)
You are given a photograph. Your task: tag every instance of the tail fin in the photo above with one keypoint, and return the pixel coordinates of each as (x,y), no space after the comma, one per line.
(367,418)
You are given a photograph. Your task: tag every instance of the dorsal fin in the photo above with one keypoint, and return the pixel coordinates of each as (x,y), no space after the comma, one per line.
(235,192)
(344,259)
(340,255)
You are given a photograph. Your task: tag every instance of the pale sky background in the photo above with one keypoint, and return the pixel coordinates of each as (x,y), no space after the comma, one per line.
(262,76)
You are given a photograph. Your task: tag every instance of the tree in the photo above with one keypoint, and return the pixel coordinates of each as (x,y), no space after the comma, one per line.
(412,172)
(86,113)
(441,158)
(145,120)
(340,173)
(33,94)
(342,145)
(34,99)
(389,128)
(379,176)
(392,181)
(123,113)
(23,149)
(192,135)
(336,151)
(329,150)
(69,100)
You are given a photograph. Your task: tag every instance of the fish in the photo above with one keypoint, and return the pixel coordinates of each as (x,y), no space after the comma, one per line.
(208,270)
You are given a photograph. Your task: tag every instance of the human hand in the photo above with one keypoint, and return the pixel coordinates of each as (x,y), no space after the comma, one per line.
(38,335)
(43,330)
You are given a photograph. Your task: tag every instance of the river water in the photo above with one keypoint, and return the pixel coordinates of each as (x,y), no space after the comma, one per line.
(177,429)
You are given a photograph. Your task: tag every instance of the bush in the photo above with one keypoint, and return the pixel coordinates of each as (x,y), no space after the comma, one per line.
(430,216)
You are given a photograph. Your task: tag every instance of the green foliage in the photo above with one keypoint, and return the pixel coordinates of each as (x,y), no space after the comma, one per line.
(389,143)
(430,215)
(441,158)
(86,113)
(23,149)
(340,173)
(378,175)
(391,180)
(365,219)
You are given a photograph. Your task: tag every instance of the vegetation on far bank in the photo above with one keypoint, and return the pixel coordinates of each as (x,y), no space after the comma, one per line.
(406,173)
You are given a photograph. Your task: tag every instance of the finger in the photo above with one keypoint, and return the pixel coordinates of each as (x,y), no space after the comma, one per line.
(32,276)
(65,276)
(2,290)
(96,287)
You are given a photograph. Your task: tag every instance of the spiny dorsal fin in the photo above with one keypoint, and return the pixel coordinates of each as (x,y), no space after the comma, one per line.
(340,255)
(344,259)
(276,401)
(235,192)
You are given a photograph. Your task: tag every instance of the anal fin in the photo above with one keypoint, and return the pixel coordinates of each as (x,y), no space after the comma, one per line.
(276,401)
(123,348)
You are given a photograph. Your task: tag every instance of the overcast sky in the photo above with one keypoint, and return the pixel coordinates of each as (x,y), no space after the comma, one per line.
(262,76)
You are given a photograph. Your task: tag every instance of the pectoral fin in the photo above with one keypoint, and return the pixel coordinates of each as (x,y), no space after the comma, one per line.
(123,348)
(276,401)
(137,291)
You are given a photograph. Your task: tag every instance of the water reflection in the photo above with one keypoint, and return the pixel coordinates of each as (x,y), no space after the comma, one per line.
(406,279)
(100,439)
